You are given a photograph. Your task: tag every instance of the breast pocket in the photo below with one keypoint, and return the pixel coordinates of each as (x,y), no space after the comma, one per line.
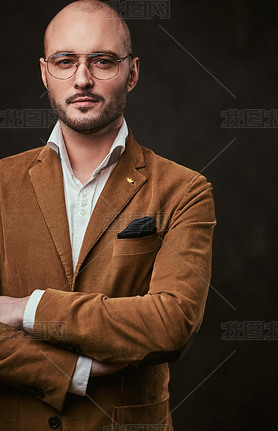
(132,264)
(137,246)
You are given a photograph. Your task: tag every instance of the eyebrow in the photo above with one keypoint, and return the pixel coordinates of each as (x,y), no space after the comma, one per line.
(68,51)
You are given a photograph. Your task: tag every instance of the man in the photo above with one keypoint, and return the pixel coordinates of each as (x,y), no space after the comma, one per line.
(105,248)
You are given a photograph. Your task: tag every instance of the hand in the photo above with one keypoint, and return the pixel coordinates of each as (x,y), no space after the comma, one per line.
(12,310)
(104,368)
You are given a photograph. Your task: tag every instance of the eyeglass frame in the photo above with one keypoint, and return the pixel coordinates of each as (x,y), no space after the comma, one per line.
(94,54)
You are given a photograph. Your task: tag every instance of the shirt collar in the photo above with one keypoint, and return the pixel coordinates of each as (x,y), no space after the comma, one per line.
(57,143)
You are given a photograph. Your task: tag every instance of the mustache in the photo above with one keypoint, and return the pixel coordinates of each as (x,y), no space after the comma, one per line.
(94,96)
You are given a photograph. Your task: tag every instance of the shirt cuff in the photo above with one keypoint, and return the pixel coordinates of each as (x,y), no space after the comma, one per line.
(30,310)
(80,378)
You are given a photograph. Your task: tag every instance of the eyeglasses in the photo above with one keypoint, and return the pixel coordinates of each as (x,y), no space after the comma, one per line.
(100,64)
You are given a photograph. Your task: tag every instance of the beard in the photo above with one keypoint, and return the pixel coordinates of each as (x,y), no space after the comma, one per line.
(89,125)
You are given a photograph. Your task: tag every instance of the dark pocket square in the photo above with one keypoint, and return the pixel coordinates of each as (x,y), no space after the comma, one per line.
(139,228)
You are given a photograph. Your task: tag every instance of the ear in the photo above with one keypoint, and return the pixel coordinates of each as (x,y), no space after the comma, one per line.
(134,73)
(43,72)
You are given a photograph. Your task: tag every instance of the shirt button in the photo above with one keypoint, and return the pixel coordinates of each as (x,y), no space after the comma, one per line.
(54,422)
(84,194)
(83,203)
(82,213)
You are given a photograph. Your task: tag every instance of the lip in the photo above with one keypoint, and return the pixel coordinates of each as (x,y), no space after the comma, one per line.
(84,101)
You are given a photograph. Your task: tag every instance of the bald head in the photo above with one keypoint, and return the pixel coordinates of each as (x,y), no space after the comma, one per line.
(91,7)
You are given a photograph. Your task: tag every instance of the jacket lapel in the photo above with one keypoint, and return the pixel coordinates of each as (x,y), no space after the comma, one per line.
(121,186)
(47,180)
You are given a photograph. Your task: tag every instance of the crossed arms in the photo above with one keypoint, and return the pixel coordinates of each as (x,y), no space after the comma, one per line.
(121,330)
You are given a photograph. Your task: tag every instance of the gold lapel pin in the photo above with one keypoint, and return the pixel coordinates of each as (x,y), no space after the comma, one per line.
(130,180)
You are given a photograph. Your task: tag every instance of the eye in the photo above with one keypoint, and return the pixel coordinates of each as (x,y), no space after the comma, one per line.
(66,62)
(103,63)
(63,62)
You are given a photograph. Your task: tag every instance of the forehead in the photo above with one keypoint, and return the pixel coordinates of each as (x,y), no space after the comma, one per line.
(85,32)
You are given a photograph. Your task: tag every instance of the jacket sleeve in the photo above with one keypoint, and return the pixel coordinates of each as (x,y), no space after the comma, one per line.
(35,367)
(158,326)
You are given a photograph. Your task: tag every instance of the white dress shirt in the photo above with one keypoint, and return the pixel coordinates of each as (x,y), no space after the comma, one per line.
(80,202)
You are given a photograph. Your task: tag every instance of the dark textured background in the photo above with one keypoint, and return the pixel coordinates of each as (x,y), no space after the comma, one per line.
(176,110)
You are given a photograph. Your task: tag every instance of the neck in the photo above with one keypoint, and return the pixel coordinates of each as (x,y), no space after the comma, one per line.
(86,152)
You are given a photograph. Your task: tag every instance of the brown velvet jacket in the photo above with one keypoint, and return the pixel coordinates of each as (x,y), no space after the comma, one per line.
(135,300)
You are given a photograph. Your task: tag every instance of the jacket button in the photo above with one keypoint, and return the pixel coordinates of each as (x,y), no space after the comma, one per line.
(54,422)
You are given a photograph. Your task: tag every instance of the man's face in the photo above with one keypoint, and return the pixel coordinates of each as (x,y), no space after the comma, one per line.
(85,33)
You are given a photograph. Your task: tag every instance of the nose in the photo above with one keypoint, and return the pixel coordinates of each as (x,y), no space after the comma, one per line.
(83,78)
